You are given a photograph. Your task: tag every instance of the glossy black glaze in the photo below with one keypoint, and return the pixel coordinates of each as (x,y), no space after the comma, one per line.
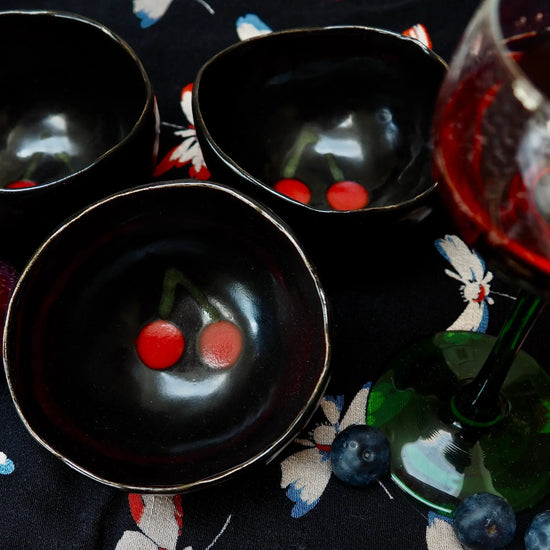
(70,355)
(366,94)
(77,117)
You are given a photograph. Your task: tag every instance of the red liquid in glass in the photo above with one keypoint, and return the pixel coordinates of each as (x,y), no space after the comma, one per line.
(496,195)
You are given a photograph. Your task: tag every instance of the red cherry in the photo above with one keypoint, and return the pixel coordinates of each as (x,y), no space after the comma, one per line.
(221,344)
(160,344)
(20,184)
(347,195)
(293,188)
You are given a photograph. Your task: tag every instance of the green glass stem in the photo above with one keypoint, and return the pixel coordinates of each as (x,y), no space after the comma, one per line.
(479,404)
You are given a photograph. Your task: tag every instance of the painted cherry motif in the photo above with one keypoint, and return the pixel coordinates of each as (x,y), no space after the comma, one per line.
(160,344)
(220,344)
(293,188)
(19,184)
(342,195)
(26,179)
(289,185)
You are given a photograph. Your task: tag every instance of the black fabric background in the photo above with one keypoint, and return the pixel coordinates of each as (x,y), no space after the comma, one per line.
(388,293)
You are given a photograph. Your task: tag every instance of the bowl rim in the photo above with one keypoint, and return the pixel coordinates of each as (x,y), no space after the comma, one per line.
(280,441)
(239,171)
(150,103)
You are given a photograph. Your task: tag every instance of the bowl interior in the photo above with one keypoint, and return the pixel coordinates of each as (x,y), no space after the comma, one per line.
(70,92)
(70,349)
(323,106)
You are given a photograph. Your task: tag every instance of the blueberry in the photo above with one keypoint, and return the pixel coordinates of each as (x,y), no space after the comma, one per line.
(484,521)
(359,455)
(537,536)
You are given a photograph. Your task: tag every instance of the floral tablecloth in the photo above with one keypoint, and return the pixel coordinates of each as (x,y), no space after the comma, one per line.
(386,293)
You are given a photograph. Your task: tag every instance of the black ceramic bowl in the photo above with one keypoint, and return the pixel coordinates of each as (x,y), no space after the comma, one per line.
(197,257)
(322,106)
(77,122)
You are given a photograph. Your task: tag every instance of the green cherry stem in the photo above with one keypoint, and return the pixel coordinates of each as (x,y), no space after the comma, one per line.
(307,137)
(35,159)
(172,279)
(65,159)
(336,173)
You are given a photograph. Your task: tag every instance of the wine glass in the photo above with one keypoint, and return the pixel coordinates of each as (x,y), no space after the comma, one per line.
(466,412)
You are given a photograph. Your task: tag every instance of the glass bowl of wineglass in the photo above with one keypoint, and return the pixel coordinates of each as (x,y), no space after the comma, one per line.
(466,412)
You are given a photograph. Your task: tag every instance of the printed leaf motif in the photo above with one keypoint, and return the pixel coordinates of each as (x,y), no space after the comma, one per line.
(150,11)
(440,534)
(306,474)
(131,540)
(332,407)
(251,25)
(6,465)
(356,411)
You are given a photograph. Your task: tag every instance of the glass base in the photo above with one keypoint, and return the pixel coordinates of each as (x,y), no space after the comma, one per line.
(440,461)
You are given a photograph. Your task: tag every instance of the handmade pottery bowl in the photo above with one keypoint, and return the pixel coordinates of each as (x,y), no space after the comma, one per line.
(167,337)
(322,125)
(77,122)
